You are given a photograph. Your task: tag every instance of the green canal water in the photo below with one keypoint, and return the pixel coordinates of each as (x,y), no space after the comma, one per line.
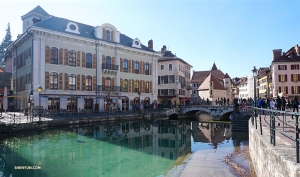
(136,148)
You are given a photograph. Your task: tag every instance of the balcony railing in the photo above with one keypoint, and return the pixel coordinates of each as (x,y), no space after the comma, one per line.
(109,88)
(189,87)
(110,66)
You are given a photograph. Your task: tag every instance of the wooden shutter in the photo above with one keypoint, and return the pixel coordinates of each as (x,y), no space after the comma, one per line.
(144,86)
(47,80)
(94,83)
(292,89)
(279,80)
(129,66)
(132,66)
(279,89)
(104,36)
(141,86)
(113,60)
(121,85)
(61,56)
(278,67)
(285,67)
(78,59)
(94,61)
(103,81)
(292,79)
(60,86)
(143,71)
(112,35)
(298,77)
(150,86)
(129,85)
(66,57)
(141,67)
(103,59)
(83,83)
(83,59)
(286,90)
(66,81)
(285,78)
(113,84)
(121,65)
(47,54)
(150,72)
(78,82)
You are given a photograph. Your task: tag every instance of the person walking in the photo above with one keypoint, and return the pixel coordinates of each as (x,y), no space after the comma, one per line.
(283,106)
(295,105)
(272,104)
(278,103)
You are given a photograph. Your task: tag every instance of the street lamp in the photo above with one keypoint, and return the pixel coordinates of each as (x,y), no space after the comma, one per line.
(31,99)
(40,89)
(254,71)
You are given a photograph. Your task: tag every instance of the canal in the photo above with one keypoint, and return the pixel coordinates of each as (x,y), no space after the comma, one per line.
(136,148)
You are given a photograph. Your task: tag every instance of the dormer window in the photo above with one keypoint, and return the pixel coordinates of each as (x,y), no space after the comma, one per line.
(72,28)
(107,35)
(136,43)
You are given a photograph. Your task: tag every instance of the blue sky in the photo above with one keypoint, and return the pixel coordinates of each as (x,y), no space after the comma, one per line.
(235,34)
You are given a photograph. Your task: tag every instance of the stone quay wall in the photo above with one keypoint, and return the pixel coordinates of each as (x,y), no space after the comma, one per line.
(269,160)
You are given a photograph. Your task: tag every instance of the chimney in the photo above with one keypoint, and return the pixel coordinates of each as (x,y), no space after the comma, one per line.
(276,54)
(297,50)
(150,44)
(163,50)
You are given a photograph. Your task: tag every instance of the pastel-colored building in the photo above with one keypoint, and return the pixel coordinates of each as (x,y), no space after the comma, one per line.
(285,72)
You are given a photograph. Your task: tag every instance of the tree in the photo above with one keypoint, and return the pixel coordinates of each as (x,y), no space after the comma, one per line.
(5,43)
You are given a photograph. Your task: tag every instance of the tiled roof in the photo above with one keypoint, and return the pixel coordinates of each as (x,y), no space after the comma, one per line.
(214,67)
(38,10)
(200,76)
(59,25)
(206,84)
(226,76)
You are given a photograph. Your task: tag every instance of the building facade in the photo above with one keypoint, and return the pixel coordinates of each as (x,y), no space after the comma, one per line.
(285,72)
(174,86)
(81,66)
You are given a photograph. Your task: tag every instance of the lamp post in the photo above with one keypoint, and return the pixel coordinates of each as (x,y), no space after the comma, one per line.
(254,71)
(31,99)
(40,89)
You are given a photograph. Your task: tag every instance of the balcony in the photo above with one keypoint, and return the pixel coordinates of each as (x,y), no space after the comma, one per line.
(183,85)
(109,68)
(109,88)
(189,87)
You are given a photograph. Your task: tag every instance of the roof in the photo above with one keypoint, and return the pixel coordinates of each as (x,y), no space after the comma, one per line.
(38,10)
(226,76)
(200,76)
(85,31)
(285,57)
(206,84)
(214,67)
(168,56)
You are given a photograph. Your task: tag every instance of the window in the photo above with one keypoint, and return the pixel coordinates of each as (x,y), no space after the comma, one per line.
(72,82)
(53,81)
(171,79)
(136,67)
(136,86)
(108,62)
(88,83)
(163,79)
(295,77)
(125,86)
(294,67)
(72,58)
(147,69)
(147,87)
(88,60)
(170,67)
(125,65)
(282,78)
(107,32)
(295,89)
(281,67)
(54,55)
(283,89)
(161,67)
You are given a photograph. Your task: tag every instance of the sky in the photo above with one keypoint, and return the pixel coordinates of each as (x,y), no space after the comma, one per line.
(234,34)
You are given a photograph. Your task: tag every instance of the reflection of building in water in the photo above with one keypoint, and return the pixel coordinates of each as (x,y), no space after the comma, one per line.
(174,138)
(214,133)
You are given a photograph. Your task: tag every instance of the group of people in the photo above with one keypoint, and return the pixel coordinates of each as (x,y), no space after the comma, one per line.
(281,104)
(222,101)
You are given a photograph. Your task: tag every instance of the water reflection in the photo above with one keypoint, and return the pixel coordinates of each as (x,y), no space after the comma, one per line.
(134,148)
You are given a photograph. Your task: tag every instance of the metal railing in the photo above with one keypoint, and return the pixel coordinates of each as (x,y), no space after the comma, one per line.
(257,114)
(110,66)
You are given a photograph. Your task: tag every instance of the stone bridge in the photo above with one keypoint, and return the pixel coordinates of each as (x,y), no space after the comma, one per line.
(215,112)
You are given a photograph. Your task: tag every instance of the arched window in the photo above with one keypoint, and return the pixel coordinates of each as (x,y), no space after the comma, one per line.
(108,84)
(72,82)
(88,60)
(147,87)
(88,83)
(108,62)
(107,32)
(125,65)
(53,81)
(72,58)
(136,67)
(125,86)
(54,55)
(147,69)
(136,86)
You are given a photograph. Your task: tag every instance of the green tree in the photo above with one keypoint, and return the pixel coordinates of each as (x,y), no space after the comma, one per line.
(5,43)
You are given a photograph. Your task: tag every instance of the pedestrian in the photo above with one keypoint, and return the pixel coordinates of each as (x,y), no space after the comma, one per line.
(259,103)
(263,105)
(224,101)
(228,101)
(283,104)
(272,104)
(295,105)
(278,103)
